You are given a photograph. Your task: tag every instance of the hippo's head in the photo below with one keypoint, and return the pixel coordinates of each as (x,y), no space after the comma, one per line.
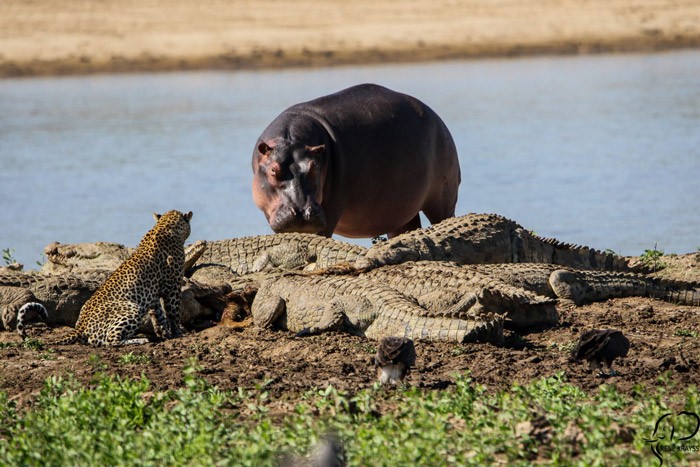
(288,185)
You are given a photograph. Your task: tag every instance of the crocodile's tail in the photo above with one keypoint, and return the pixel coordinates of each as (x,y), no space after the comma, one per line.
(537,249)
(26,312)
(588,286)
(484,328)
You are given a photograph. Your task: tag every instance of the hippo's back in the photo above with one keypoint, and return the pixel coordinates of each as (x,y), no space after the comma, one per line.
(364,106)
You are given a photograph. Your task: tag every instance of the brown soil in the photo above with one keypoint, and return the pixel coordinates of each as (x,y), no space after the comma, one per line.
(82,36)
(665,340)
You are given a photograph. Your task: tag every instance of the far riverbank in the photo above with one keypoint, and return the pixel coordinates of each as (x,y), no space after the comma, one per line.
(67,37)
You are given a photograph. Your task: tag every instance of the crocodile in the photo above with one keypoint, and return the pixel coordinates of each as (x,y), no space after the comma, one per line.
(283,251)
(77,257)
(484,238)
(527,293)
(62,295)
(241,256)
(468,239)
(455,291)
(583,285)
(100,256)
(313,303)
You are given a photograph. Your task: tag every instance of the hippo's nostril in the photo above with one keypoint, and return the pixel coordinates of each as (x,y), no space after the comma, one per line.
(314,213)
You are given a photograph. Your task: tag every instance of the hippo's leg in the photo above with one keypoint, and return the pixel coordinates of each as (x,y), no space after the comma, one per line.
(413,224)
(442,207)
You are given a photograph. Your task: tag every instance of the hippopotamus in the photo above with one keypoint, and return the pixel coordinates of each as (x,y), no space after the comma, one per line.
(361,162)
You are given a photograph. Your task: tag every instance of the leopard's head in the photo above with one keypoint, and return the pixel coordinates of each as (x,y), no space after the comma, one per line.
(173,224)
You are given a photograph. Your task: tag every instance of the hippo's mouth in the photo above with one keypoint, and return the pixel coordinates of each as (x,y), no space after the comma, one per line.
(311,219)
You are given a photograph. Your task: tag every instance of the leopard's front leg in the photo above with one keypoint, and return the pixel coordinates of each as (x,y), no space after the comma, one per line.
(172,304)
(160,321)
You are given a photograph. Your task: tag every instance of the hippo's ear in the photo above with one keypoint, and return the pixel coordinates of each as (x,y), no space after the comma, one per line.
(316,150)
(264,149)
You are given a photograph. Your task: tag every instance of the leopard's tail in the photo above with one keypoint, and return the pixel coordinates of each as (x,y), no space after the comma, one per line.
(27,311)
(34,309)
(72,338)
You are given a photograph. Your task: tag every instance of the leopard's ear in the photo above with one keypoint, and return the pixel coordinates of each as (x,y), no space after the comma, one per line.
(156,216)
(188,216)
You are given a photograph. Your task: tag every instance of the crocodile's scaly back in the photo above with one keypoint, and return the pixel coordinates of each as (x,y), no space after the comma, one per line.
(246,255)
(356,305)
(454,291)
(527,276)
(550,250)
(585,285)
(465,239)
(42,283)
(484,238)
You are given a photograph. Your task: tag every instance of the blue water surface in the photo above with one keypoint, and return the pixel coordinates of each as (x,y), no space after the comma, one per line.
(596,150)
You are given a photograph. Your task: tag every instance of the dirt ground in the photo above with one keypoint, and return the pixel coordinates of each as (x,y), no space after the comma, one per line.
(54,37)
(665,341)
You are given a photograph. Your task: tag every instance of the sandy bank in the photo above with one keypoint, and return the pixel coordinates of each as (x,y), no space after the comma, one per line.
(83,36)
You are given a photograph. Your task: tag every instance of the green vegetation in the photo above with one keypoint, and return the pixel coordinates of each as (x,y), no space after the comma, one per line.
(30,343)
(8,256)
(117,421)
(566,347)
(95,361)
(42,260)
(652,259)
(685,333)
(132,358)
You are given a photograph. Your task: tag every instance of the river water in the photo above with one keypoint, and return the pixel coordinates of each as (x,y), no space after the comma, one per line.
(596,150)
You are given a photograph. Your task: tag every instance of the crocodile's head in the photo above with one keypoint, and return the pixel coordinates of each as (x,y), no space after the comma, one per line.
(394,251)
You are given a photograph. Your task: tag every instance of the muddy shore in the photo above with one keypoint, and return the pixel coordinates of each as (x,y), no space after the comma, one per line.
(665,345)
(60,37)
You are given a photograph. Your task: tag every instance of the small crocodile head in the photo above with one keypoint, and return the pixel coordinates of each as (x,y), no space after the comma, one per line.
(393,251)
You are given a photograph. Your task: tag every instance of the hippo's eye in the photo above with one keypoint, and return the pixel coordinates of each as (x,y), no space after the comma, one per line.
(273,171)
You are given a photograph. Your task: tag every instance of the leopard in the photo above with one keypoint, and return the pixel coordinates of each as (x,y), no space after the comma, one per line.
(146,283)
